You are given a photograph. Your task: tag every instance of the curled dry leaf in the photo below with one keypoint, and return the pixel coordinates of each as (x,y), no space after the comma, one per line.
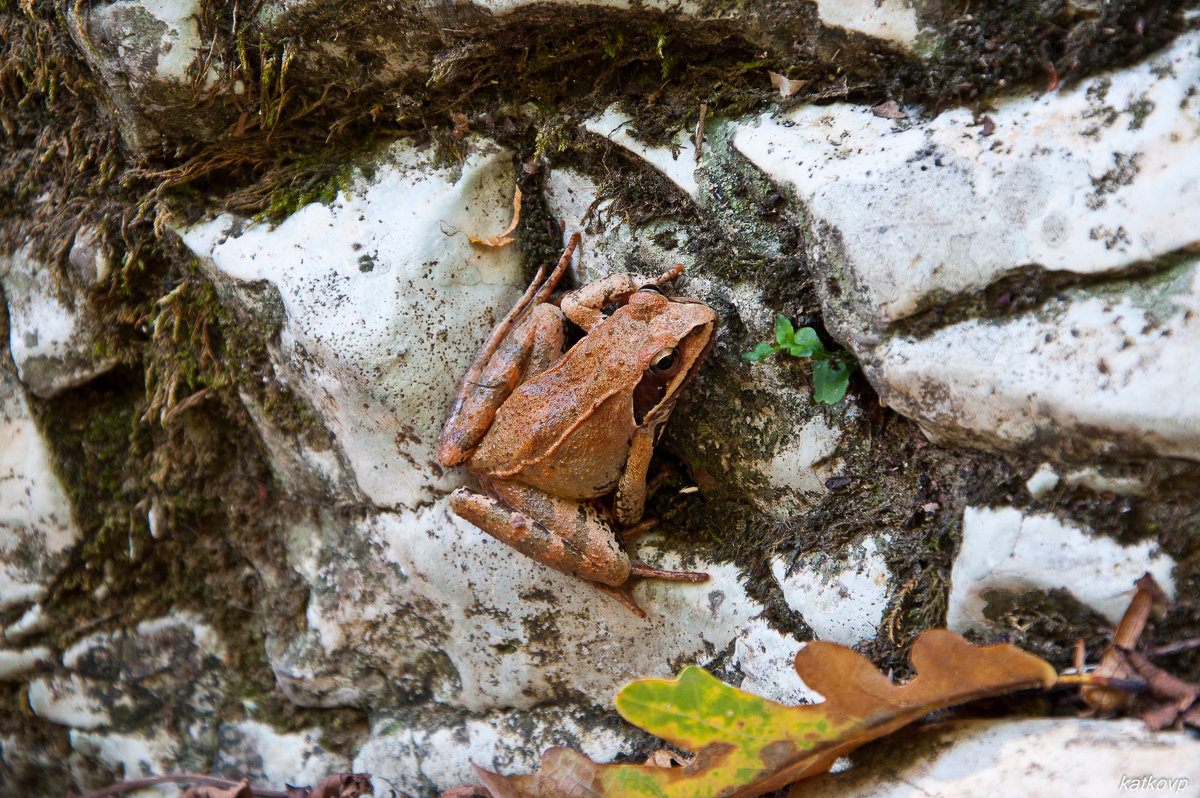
(663,758)
(786,87)
(746,745)
(889,110)
(461,126)
(339,785)
(501,239)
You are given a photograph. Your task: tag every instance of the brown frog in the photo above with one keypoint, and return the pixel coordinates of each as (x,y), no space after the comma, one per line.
(549,433)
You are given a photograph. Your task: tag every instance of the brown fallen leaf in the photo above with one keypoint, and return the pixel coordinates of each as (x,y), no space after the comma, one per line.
(501,239)
(746,745)
(889,110)
(339,785)
(461,128)
(786,87)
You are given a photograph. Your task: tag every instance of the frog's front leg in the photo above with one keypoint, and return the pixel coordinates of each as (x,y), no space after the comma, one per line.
(585,306)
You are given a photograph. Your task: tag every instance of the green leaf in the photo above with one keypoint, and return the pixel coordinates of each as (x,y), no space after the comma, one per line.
(805,343)
(831,378)
(784,331)
(761,351)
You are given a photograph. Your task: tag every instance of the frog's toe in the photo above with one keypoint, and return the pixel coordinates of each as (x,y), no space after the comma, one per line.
(643,571)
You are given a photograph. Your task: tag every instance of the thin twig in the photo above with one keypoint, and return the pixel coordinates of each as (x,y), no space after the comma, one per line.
(169,778)
(1107,682)
(700,131)
(1174,648)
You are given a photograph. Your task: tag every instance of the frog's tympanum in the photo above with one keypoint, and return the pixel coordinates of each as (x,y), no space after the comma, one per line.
(551,435)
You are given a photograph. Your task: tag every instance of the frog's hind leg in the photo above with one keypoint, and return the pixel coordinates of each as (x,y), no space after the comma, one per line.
(567,536)
(498,367)
(572,537)
(533,347)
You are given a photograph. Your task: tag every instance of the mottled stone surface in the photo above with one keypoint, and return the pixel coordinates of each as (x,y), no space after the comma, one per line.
(1007,551)
(151,57)
(909,213)
(52,332)
(1022,757)
(36,529)
(114,687)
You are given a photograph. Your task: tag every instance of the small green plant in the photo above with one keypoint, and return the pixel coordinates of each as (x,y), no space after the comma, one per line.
(831,370)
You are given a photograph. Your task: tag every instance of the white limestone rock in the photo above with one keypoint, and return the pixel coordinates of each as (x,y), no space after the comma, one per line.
(842,600)
(37,532)
(385,303)
(1098,479)
(1042,482)
(609,245)
(297,758)
(907,214)
(1092,371)
(125,696)
(412,758)
(31,622)
(801,464)
(307,464)
(69,701)
(767,660)
(1005,550)
(675,160)
(1021,757)
(16,663)
(128,756)
(90,257)
(142,50)
(892,20)
(114,677)
(434,605)
(910,213)
(51,335)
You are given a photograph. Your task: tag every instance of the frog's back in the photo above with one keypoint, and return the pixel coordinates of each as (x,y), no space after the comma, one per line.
(566,431)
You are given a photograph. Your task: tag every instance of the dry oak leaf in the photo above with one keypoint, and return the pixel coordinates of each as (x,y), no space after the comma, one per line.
(747,746)
(786,86)
(501,239)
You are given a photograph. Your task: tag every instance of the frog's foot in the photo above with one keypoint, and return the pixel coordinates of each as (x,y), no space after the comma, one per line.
(643,571)
(622,597)
(639,570)
(630,534)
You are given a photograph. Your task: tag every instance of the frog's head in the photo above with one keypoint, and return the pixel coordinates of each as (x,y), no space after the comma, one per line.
(677,334)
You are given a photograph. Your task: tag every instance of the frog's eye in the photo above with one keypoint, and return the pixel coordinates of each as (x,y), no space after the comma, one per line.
(652,287)
(663,360)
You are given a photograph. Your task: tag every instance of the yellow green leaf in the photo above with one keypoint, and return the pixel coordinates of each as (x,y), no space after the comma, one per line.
(746,745)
